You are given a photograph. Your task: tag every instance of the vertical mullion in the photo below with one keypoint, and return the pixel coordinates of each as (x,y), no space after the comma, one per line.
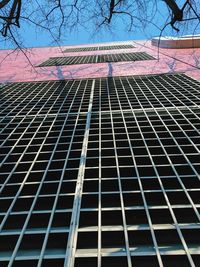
(73,232)
(59,186)
(128,255)
(100,179)
(18,192)
(141,187)
(39,188)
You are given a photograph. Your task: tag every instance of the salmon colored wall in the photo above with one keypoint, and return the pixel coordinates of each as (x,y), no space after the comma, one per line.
(14,65)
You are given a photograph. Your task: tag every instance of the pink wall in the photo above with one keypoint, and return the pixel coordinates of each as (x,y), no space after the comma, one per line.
(14,65)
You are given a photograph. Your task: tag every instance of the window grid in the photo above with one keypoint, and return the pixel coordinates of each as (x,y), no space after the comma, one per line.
(122,204)
(59,61)
(47,232)
(95,48)
(39,102)
(42,97)
(137,186)
(163,190)
(8,136)
(152,234)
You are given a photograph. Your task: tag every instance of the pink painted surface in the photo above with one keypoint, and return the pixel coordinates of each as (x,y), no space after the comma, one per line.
(15,67)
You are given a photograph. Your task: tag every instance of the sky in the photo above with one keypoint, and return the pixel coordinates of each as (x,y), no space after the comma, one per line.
(30,36)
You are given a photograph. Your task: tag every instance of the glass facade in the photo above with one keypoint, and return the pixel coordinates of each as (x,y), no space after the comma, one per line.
(100,172)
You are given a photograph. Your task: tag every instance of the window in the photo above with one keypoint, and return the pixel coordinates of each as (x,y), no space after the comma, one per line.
(58,61)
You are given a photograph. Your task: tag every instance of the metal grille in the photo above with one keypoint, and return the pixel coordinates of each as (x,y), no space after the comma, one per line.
(92,177)
(146,92)
(95,48)
(58,61)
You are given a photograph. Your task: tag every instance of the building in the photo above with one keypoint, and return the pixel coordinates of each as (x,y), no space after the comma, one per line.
(100,157)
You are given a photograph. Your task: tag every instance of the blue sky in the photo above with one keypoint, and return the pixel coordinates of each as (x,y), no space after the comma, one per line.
(34,37)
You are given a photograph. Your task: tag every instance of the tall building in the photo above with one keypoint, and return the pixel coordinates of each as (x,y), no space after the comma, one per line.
(100,160)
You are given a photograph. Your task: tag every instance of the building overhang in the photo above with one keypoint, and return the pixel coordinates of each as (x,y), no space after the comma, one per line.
(187,41)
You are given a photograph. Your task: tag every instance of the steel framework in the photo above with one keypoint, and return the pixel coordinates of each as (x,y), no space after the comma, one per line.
(100,172)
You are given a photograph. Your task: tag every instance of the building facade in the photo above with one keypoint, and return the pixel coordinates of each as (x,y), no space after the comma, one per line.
(100,162)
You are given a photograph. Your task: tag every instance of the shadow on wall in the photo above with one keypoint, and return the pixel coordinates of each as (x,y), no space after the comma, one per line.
(172,65)
(60,73)
(110,69)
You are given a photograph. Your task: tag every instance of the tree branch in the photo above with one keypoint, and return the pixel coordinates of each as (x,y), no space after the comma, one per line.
(176,11)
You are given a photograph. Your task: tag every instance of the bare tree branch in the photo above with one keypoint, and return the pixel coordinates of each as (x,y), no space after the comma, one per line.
(59,16)
(3,3)
(177,13)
